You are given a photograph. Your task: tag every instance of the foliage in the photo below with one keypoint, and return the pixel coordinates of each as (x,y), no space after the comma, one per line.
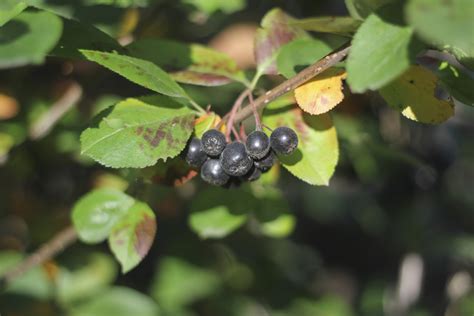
(148,83)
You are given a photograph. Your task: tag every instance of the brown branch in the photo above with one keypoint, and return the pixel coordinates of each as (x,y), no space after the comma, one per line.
(291,84)
(66,102)
(47,251)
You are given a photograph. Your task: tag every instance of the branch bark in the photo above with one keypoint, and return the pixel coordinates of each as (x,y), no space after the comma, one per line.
(47,251)
(292,83)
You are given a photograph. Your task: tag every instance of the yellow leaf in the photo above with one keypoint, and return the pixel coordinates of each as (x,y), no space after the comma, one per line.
(206,122)
(415,95)
(323,93)
(129,22)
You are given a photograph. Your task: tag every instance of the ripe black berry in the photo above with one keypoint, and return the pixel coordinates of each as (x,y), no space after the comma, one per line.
(257,144)
(234,159)
(284,140)
(266,162)
(194,153)
(213,142)
(212,173)
(252,175)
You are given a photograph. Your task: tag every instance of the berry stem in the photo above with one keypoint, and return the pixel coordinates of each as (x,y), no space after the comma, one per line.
(243,135)
(289,85)
(267,127)
(258,122)
(230,117)
(236,134)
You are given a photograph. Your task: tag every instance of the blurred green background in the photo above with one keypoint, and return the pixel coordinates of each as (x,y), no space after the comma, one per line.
(393,234)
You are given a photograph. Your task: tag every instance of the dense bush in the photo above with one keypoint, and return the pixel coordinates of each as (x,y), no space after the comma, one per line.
(127,122)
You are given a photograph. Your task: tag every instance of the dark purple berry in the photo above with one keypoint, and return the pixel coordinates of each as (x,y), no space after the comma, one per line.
(213,142)
(234,159)
(283,140)
(194,153)
(212,173)
(252,175)
(257,144)
(266,162)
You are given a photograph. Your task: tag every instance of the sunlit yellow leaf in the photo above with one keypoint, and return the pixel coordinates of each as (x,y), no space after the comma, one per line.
(323,93)
(416,95)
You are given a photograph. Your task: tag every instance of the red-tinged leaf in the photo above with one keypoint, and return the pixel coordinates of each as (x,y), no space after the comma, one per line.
(136,133)
(131,238)
(276,30)
(201,79)
(329,24)
(190,63)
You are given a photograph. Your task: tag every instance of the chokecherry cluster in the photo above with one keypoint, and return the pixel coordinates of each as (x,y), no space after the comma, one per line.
(224,164)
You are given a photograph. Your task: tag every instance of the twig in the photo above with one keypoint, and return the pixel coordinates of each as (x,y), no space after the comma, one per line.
(46,122)
(291,84)
(232,113)
(258,122)
(47,251)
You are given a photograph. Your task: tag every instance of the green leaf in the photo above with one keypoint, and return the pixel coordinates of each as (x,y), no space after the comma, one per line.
(117,3)
(360,9)
(85,278)
(196,64)
(179,283)
(381,51)
(444,22)
(6,143)
(466,303)
(33,283)
(27,38)
(132,236)
(135,133)
(458,84)
(118,301)
(300,53)
(280,227)
(415,95)
(9,9)
(96,213)
(273,213)
(215,222)
(325,305)
(316,157)
(329,24)
(276,30)
(216,212)
(271,201)
(139,71)
(211,6)
(77,36)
